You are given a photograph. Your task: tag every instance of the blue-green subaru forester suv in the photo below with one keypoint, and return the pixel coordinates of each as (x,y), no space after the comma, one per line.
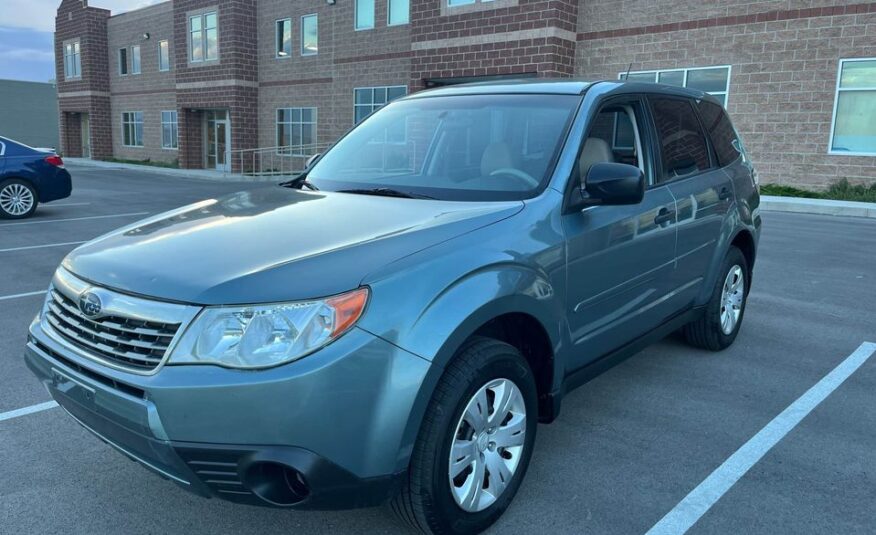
(390,326)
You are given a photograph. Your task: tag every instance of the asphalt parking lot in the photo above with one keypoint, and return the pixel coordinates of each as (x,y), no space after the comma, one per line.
(627,449)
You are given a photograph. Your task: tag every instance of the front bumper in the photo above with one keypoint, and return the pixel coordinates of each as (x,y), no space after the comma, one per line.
(330,431)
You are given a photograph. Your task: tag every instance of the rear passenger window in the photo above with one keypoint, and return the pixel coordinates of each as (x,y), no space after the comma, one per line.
(682,143)
(720,130)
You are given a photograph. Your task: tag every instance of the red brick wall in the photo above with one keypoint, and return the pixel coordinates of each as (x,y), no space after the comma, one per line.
(229,83)
(90,94)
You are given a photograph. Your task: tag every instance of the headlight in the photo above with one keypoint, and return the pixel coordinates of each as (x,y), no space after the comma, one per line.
(267,335)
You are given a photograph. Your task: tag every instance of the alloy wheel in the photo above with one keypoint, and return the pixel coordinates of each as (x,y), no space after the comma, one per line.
(16,199)
(487,445)
(732,299)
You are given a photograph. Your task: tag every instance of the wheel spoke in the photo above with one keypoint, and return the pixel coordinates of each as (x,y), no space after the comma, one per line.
(475,485)
(476,412)
(513,434)
(462,454)
(501,404)
(500,475)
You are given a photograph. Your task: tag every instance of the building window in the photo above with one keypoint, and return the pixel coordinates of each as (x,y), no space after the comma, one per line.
(123,61)
(368,99)
(132,128)
(163,56)
(169,130)
(309,35)
(712,80)
(203,38)
(135,59)
(296,131)
(284,38)
(364,14)
(853,131)
(72,60)
(399,12)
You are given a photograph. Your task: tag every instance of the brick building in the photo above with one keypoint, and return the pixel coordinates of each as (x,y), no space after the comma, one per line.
(199,81)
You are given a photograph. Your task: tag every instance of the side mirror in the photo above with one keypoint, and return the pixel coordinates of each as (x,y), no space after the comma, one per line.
(310,160)
(613,184)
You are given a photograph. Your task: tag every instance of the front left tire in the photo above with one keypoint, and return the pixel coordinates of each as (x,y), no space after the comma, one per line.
(18,199)
(475,442)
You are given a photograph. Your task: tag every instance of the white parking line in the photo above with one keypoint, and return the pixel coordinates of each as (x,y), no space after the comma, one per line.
(28,410)
(16,296)
(10,249)
(72,219)
(684,515)
(70,204)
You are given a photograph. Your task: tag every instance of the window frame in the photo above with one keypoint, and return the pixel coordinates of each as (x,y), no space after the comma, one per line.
(356,26)
(174,130)
(73,60)
(725,93)
(166,44)
(133,125)
(123,64)
(300,124)
(203,30)
(138,63)
(277,40)
(373,109)
(839,73)
(658,162)
(389,14)
(301,40)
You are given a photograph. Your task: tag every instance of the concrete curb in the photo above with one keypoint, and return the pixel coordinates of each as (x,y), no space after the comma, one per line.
(202,174)
(818,206)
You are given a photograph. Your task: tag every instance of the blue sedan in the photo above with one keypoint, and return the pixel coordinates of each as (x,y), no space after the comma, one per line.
(28,177)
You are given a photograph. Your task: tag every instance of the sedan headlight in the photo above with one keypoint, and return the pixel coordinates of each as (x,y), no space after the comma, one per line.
(267,335)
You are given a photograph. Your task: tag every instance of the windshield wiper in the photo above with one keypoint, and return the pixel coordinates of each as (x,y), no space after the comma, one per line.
(386,192)
(299,182)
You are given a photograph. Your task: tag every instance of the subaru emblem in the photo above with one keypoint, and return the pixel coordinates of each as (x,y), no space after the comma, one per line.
(89,304)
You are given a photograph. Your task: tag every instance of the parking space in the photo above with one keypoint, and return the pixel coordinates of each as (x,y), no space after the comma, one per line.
(626,450)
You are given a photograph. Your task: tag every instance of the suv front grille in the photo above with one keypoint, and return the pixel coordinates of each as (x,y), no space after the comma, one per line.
(129,342)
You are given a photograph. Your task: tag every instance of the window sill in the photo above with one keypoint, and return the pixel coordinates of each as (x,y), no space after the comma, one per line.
(849,153)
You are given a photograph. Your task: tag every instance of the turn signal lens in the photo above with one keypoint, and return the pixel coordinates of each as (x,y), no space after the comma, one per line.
(348,307)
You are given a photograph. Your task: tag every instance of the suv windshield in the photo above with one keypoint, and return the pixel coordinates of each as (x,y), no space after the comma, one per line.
(475,147)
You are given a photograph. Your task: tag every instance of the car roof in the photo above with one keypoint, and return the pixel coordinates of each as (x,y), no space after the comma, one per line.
(556,86)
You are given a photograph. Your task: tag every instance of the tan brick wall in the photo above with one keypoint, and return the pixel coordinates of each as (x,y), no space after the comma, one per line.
(151,104)
(782,84)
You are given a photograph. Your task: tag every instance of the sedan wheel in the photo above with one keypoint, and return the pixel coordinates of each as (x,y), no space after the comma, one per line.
(17,199)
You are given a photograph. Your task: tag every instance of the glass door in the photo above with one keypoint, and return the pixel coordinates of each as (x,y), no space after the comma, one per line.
(218,140)
(86,135)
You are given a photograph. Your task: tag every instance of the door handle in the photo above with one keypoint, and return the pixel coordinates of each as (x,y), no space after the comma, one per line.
(724,193)
(665,215)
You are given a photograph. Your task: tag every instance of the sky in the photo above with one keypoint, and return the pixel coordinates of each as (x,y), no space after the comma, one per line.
(26,42)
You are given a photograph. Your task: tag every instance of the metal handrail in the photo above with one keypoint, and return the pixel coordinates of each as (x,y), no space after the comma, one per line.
(277,161)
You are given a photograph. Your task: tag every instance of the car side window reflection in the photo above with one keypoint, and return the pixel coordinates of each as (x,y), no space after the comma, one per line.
(683,147)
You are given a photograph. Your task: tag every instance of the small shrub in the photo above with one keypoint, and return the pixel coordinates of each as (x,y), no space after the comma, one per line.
(841,190)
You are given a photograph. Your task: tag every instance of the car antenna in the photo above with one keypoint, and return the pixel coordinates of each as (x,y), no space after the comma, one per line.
(627,75)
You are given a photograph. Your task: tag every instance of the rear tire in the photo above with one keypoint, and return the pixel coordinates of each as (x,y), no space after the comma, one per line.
(18,199)
(717,328)
(431,499)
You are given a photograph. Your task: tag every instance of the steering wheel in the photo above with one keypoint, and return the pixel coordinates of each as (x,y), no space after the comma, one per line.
(517,173)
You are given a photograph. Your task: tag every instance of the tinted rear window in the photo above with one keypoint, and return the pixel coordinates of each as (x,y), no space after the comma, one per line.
(682,142)
(16,149)
(720,130)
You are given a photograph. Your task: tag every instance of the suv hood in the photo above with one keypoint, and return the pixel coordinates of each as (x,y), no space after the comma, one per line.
(272,244)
